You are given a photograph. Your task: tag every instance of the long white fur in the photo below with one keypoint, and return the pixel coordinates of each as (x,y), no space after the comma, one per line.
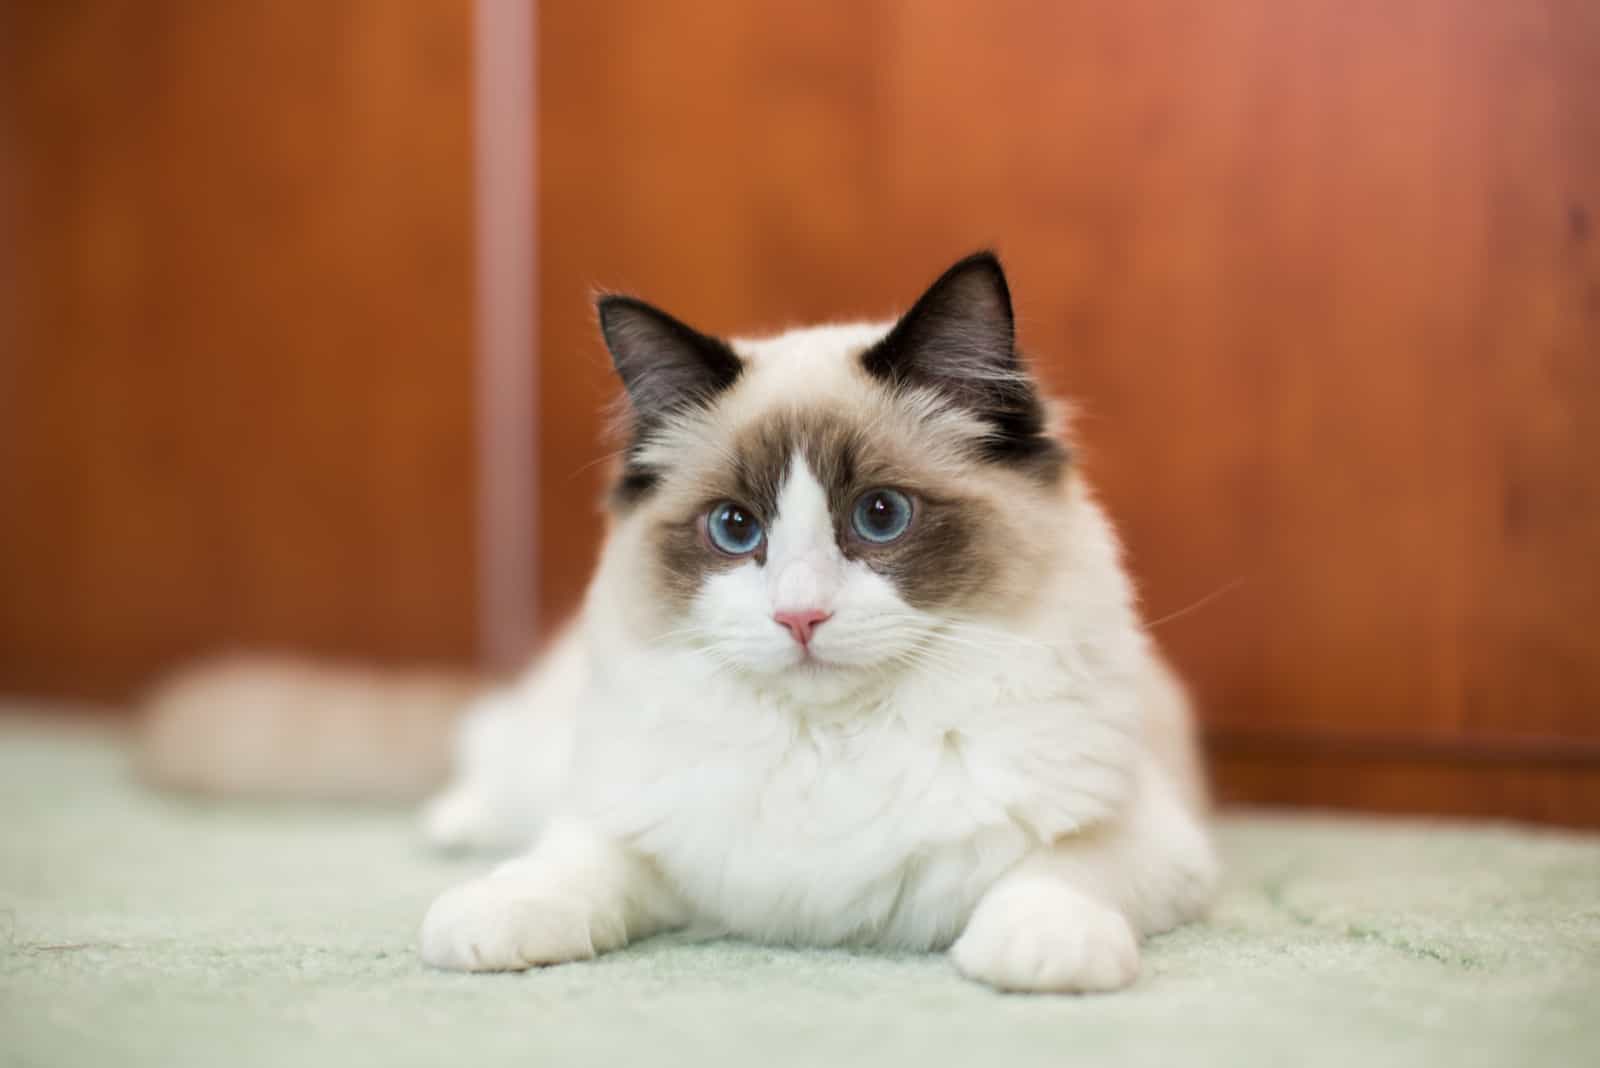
(1021,790)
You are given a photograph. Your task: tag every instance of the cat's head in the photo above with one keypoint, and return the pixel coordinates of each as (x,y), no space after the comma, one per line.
(821,506)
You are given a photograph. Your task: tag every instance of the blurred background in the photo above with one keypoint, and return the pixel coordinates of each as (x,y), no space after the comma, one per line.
(296,349)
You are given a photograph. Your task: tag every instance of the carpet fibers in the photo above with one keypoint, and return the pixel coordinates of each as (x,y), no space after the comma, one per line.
(137,929)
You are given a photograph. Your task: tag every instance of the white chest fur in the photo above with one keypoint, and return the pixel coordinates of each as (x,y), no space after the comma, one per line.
(881,825)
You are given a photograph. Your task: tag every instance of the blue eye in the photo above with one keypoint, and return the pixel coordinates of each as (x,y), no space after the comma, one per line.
(881,515)
(733,530)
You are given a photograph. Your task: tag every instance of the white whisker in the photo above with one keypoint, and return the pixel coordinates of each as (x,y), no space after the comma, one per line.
(1201,603)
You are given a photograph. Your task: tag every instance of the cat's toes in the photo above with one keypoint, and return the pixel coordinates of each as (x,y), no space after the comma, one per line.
(496,926)
(1047,938)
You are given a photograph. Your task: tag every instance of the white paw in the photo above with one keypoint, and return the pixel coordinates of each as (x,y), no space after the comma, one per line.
(498,925)
(1046,937)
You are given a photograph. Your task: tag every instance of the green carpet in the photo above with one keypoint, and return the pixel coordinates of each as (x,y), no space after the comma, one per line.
(137,929)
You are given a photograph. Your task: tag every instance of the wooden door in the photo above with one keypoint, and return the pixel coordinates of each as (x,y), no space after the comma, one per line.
(235,346)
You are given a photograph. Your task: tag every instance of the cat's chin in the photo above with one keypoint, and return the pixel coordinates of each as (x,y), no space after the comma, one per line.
(820,684)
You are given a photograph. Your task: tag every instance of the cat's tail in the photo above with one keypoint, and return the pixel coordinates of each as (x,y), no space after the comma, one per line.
(284,728)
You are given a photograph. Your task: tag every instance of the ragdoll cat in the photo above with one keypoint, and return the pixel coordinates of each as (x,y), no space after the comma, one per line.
(860,665)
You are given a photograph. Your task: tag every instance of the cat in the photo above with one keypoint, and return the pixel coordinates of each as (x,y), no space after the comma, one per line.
(860,665)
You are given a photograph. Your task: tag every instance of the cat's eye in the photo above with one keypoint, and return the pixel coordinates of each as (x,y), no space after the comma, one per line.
(881,515)
(733,529)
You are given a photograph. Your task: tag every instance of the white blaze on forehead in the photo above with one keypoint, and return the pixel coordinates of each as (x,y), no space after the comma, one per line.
(819,364)
(804,565)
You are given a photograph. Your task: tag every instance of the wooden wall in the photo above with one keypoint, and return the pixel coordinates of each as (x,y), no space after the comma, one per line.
(1321,276)
(235,377)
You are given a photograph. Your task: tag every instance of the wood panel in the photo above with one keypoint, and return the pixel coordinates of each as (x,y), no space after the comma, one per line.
(235,379)
(1391,779)
(1320,276)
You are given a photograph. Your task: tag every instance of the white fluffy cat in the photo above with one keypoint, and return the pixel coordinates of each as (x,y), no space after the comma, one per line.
(860,665)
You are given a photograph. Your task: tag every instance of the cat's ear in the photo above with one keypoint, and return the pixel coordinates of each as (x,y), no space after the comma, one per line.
(959,337)
(664,365)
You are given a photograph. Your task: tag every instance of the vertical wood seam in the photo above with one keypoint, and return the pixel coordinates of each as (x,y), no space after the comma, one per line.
(506,345)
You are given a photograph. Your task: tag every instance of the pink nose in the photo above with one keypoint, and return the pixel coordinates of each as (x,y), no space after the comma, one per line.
(802,623)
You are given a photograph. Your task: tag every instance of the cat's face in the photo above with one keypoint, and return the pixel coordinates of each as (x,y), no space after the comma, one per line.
(832,505)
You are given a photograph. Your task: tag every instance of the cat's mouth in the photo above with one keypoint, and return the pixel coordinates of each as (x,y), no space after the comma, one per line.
(811,663)
(818,681)
(821,665)
(844,655)
(809,659)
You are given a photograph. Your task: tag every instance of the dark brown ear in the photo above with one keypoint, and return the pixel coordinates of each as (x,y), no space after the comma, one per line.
(959,333)
(959,338)
(664,365)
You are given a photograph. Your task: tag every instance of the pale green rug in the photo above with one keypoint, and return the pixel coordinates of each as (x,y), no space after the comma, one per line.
(144,930)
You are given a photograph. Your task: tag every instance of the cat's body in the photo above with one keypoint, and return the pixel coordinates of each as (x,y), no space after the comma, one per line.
(773,720)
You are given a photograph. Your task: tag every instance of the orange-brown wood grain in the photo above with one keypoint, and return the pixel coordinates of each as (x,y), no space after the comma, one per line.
(1395,781)
(1321,277)
(235,353)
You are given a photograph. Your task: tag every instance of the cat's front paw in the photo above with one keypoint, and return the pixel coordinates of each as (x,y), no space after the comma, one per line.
(498,925)
(1042,936)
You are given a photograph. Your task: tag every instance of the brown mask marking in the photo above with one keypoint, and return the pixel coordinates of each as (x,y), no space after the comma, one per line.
(942,560)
